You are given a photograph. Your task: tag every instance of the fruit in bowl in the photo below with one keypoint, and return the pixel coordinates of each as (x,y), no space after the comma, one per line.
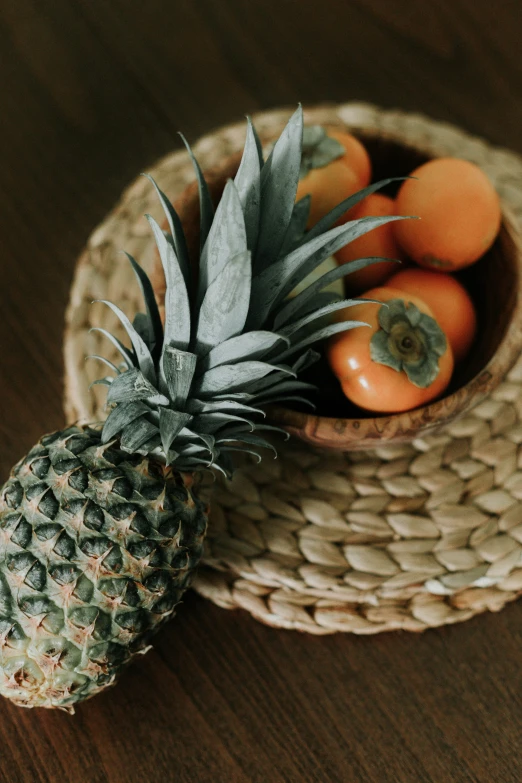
(403,360)
(406,359)
(450,302)
(459,212)
(379,242)
(334,165)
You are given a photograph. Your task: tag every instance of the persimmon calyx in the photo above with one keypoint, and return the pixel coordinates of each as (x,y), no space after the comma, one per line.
(408,341)
(319,149)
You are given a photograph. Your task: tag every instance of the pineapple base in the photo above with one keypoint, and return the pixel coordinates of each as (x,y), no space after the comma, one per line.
(96,549)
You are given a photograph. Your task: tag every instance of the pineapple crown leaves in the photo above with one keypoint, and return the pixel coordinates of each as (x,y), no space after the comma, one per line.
(190,391)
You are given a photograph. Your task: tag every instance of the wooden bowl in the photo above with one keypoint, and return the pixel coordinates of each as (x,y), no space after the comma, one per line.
(494,282)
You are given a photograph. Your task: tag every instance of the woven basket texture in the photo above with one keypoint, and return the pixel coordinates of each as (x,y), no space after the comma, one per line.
(408,536)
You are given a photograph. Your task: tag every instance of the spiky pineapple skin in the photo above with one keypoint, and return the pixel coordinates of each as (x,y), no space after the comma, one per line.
(96,549)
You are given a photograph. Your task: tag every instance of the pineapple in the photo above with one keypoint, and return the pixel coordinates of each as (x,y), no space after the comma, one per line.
(101,526)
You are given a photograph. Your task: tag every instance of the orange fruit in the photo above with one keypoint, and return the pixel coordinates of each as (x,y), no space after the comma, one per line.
(377,242)
(327,186)
(459,210)
(331,184)
(451,304)
(356,157)
(377,386)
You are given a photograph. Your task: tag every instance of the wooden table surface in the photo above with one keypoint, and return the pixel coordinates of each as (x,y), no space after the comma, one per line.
(92,92)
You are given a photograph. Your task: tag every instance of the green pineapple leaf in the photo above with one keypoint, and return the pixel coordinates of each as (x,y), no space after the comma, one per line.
(239,396)
(255,387)
(286,398)
(297,226)
(273,428)
(120,416)
(129,357)
(229,377)
(170,424)
(142,325)
(278,280)
(340,209)
(192,449)
(306,360)
(253,440)
(191,464)
(282,388)
(188,436)
(248,184)
(259,146)
(291,308)
(321,312)
(136,434)
(143,355)
(212,422)
(176,231)
(249,345)
(279,179)
(321,299)
(221,406)
(226,239)
(153,320)
(206,207)
(321,334)
(177,370)
(133,385)
(224,308)
(105,361)
(177,305)
(101,382)
(241,450)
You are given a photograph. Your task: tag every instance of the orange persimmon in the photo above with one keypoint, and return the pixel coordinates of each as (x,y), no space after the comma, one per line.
(404,359)
(377,242)
(356,157)
(451,304)
(329,176)
(459,212)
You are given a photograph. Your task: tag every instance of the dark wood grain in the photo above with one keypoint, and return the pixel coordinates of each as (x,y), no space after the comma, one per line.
(93,91)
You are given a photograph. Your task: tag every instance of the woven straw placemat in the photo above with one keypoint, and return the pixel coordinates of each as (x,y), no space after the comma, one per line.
(409,536)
